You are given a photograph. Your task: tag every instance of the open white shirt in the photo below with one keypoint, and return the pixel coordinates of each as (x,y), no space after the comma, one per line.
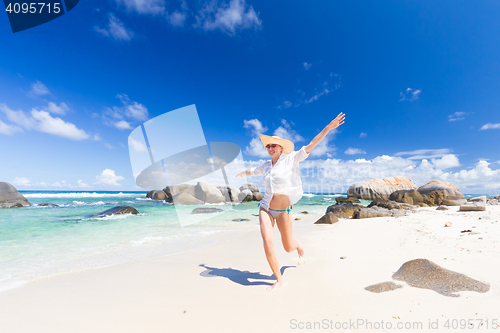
(283,177)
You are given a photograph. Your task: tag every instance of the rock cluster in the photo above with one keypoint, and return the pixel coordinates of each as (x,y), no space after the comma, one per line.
(343,210)
(401,189)
(493,201)
(10,197)
(474,204)
(204,192)
(382,208)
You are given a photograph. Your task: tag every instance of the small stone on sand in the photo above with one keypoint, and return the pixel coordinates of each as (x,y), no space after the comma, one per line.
(383,287)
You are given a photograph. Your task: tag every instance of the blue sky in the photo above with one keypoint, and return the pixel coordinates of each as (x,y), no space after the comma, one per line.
(417,80)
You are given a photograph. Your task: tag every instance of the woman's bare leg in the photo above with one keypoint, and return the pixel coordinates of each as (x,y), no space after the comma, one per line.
(284,221)
(266,230)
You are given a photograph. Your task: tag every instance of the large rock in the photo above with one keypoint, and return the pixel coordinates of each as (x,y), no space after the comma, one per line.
(245,196)
(474,204)
(208,193)
(365,213)
(118,210)
(170,191)
(230,192)
(342,200)
(387,204)
(258,196)
(10,197)
(347,208)
(329,218)
(184,198)
(250,186)
(158,195)
(437,193)
(410,197)
(379,189)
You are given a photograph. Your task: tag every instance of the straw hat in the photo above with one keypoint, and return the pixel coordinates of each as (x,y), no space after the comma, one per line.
(286,144)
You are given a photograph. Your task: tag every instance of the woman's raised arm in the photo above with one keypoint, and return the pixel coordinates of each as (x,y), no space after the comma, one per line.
(333,124)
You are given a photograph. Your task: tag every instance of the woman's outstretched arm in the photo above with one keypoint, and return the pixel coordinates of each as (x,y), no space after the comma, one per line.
(333,124)
(244,173)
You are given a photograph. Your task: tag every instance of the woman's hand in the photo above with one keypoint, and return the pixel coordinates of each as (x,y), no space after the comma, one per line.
(336,122)
(241,174)
(333,124)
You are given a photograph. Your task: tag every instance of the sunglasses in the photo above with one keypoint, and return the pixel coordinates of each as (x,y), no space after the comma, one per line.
(271,146)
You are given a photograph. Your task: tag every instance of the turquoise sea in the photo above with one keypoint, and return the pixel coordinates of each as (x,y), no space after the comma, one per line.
(40,241)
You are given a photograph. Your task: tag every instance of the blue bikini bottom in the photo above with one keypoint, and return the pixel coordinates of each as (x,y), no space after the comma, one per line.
(274,213)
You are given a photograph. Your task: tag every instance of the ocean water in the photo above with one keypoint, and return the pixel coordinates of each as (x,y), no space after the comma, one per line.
(40,241)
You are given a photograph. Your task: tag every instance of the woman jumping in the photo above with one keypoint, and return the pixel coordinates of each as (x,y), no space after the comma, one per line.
(283,189)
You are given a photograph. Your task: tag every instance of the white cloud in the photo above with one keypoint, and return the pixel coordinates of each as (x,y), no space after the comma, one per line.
(323,88)
(490,126)
(144,6)
(60,109)
(363,135)
(285,105)
(255,126)
(286,132)
(410,95)
(122,125)
(130,109)
(137,146)
(228,18)
(42,121)
(177,19)
(133,109)
(255,147)
(307,66)
(108,177)
(424,153)
(22,181)
(457,116)
(82,184)
(445,162)
(115,29)
(354,151)
(57,126)
(8,129)
(39,89)
(18,117)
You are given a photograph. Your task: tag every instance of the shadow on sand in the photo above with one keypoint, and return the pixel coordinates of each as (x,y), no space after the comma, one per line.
(241,277)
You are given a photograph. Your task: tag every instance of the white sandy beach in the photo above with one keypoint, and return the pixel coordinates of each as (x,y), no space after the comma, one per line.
(323,292)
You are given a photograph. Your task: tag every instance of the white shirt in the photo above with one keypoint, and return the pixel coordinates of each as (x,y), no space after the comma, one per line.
(283,177)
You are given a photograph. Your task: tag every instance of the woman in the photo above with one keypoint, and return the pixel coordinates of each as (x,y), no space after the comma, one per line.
(283,189)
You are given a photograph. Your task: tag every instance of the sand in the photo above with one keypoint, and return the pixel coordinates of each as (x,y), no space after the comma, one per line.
(222,287)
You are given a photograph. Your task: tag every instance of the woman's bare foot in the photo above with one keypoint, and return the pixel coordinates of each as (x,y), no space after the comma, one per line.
(300,250)
(275,286)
